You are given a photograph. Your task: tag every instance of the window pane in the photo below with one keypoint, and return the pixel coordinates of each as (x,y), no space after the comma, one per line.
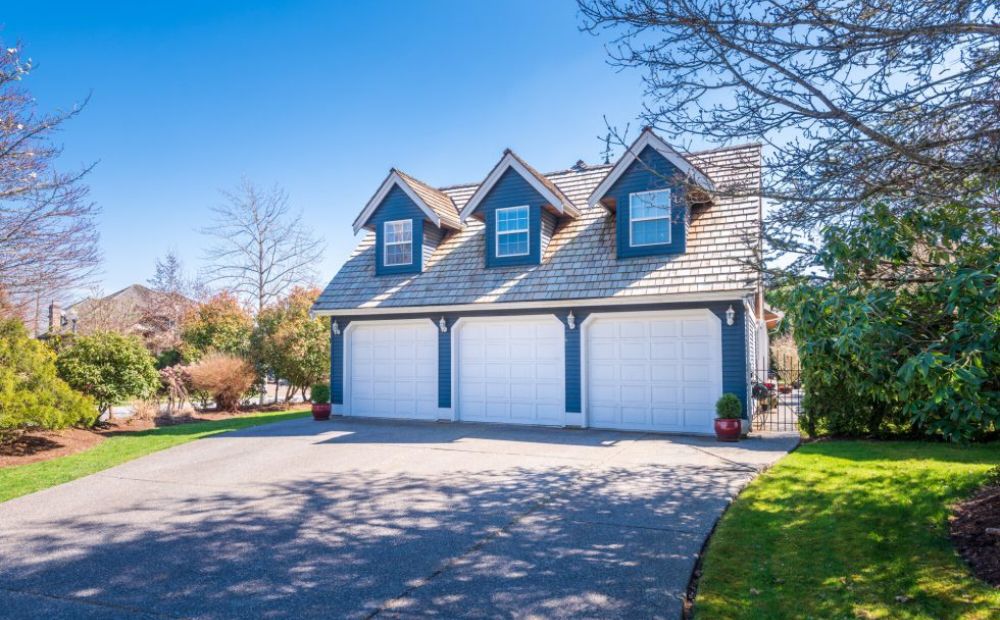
(650,232)
(512,244)
(400,231)
(515,219)
(398,254)
(655,204)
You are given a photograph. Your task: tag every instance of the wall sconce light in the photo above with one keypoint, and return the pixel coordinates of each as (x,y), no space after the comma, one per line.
(730,315)
(443,325)
(571,320)
(336,329)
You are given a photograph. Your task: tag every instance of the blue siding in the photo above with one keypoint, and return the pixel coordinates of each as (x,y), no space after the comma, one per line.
(337,362)
(444,365)
(512,190)
(397,206)
(573,363)
(650,172)
(735,371)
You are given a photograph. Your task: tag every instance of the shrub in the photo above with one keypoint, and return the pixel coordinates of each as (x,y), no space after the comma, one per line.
(226,377)
(31,393)
(110,367)
(729,406)
(902,334)
(144,409)
(319,393)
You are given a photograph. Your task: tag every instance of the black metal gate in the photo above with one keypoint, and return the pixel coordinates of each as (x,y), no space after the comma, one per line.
(777,396)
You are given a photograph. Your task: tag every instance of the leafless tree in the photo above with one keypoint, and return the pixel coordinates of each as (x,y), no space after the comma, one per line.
(262,248)
(48,237)
(869,100)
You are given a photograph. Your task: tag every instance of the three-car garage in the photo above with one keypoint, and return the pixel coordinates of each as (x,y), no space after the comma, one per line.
(645,371)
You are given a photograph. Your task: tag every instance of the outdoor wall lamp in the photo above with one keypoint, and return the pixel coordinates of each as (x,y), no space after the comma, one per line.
(571,320)
(443,325)
(336,328)
(730,315)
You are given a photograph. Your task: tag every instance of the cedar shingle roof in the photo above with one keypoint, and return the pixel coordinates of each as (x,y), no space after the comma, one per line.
(440,202)
(579,262)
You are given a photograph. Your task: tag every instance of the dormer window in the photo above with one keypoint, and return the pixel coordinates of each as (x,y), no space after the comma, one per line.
(398,235)
(512,231)
(649,218)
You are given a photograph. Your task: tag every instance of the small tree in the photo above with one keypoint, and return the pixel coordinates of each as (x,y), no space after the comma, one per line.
(31,393)
(220,324)
(290,344)
(110,367)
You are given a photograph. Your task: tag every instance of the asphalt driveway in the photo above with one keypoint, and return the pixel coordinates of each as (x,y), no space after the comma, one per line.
(386,519)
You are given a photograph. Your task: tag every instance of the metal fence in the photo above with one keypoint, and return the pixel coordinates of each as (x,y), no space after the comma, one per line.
(777,396)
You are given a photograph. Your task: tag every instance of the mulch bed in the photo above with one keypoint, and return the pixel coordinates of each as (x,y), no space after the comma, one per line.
(968,531)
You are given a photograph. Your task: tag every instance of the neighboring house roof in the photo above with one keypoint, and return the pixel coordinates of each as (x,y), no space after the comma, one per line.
(133,308)
(579,262)
(689,169)
(549,190)
(436,205)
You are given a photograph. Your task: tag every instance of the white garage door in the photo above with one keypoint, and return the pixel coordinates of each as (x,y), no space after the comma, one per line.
(511,370)
(657,371)
(393,369)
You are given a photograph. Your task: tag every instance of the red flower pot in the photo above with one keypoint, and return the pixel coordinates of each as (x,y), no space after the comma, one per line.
(321,411)
(727,429)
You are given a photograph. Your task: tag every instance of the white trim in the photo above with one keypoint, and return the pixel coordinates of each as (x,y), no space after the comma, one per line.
(345,407)
(386,244)
(596,316)
(648,138)
(730,295)
(456,364)
(497,233)
(510,161)
(669,217)
(394,180)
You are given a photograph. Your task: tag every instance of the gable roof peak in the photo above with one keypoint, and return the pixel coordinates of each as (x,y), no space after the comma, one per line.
(555,197)
(439,208)
(649,138)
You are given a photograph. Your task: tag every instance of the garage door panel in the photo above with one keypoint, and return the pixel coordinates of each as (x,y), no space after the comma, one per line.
(653,371)
(511,370)
(392,370)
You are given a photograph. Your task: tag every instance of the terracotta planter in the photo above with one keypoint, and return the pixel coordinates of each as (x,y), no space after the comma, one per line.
(321,411)
(727,429)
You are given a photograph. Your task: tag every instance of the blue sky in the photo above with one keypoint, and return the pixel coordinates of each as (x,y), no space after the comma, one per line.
(320,97)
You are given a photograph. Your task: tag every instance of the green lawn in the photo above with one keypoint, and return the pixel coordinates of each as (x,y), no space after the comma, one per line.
(849,529)
(24,479)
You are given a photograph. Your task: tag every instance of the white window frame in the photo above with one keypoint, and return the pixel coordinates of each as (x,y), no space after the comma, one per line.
(527,229)
(668,217)
(386,244)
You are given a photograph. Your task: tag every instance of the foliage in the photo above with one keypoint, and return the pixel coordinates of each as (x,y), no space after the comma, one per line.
(31,393)
(319,393)
(729,406)
(903,332)
(849,529)
(24,479)
(291,345)
(226,377)
(168,358)
(858,102)
(174,381)
(220,324)
(110,367)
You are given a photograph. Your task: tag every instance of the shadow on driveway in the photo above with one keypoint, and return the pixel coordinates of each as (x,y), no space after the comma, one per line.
(354,523)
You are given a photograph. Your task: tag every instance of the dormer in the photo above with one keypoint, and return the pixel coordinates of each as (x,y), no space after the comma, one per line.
(651,189)
(520,208)
(409,219)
